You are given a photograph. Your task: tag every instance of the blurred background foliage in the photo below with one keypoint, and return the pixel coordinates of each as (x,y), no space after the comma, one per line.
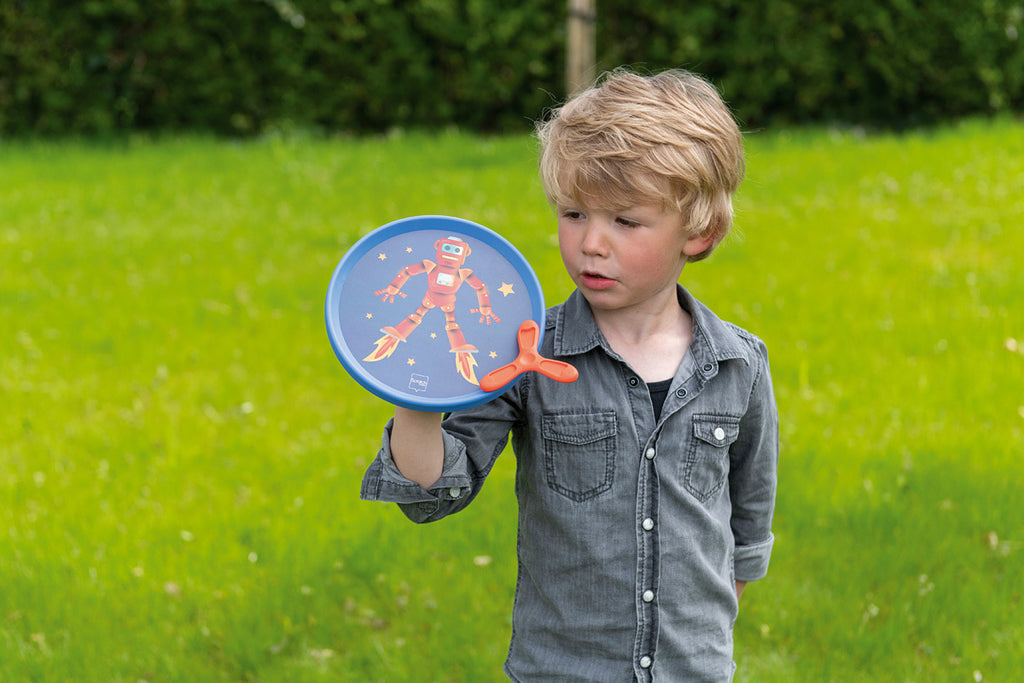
(242,66)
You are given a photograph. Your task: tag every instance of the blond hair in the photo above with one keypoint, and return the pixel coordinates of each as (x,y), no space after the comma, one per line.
(666,138)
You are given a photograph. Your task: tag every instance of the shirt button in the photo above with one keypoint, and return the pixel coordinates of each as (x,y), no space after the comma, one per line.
(719,433)
(454,491)
(645,662)
(681,393)
(648,524)
(649,454)
(648,596)
(708,367)
(633,381)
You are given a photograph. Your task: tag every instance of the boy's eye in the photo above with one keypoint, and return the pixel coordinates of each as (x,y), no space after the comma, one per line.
(572,214)
(627,222)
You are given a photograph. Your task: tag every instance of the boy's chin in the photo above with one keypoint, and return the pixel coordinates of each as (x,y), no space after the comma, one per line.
(600,300)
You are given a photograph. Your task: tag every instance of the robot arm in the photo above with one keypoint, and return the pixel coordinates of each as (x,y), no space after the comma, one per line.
(388,293)
(482,297)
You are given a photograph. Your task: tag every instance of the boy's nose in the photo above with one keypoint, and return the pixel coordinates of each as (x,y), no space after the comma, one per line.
(594,242)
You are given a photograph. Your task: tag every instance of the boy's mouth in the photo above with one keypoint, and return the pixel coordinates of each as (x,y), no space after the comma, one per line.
(593,280)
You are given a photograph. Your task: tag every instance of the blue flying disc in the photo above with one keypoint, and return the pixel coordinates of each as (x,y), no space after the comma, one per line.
(420,309)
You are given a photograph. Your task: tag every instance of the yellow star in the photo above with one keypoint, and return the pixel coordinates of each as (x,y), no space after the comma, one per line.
(408,250)
(494,354)
(433,335)
(410,362)
(505,289)
(369,316)
(381,256)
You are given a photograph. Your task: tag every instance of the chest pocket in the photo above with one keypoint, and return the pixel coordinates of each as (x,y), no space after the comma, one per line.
(706,466)
(579,453)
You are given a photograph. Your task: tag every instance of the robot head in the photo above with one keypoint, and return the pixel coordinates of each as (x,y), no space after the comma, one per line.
(451,251)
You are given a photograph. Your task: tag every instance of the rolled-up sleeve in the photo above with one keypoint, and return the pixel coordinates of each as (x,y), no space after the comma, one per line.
(753,477)
(472,439)
(383,482)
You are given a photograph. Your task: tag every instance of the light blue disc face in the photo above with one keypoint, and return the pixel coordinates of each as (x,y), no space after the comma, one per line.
(428,349)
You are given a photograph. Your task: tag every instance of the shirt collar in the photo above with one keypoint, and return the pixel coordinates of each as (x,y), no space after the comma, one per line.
(575,329)
(714,340)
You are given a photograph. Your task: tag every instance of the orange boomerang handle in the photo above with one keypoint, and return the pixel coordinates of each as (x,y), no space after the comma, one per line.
(528,360)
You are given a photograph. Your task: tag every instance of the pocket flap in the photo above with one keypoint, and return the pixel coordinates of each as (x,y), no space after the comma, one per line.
(717,430)
(579,429)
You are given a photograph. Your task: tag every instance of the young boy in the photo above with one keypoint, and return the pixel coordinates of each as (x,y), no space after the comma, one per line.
(646,488)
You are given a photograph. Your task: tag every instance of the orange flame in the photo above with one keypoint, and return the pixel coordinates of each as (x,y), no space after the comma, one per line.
(464,364)
(386,345)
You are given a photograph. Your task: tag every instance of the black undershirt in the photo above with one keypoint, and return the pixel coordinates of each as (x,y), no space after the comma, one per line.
(659,391)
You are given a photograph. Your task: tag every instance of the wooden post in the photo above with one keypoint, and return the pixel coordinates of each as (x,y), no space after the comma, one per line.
(580,46)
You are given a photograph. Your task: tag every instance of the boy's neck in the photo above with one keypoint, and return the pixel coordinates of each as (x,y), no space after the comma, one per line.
(653,343)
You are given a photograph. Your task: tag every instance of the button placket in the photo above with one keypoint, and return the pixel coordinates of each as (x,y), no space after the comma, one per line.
(648,559)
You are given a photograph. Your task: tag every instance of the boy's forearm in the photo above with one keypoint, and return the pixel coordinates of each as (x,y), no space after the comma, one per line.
(739,589)
(417,446)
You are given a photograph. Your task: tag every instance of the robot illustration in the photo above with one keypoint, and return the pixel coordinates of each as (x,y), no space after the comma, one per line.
(444,279)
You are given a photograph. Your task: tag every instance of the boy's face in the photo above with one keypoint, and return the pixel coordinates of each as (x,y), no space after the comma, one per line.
(625,260)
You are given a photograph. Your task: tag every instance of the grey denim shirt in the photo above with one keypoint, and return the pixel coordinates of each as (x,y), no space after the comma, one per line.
(631,532)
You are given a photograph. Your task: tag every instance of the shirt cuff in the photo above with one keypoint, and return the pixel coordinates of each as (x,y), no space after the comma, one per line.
(384,482)
(750,562)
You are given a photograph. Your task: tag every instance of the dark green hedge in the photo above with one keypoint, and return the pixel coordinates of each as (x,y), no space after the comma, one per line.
(238,66)
(880,62)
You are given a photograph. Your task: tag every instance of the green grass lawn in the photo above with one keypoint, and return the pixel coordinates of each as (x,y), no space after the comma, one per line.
(181,452)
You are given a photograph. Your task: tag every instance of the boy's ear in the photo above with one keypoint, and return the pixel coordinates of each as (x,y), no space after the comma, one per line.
(697,245)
